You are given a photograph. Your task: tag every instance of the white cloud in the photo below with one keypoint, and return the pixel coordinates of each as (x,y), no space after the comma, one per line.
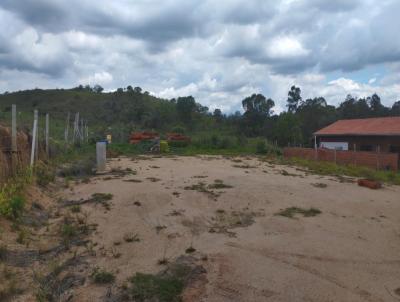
(286,47)
(100,78)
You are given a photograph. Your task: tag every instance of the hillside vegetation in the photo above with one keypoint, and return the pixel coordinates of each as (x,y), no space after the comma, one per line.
(130,109)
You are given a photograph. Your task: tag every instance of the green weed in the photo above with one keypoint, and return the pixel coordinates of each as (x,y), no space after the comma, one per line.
(292,211)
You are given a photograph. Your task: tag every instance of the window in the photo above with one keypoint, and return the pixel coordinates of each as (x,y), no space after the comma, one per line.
(366,148)
(394,149)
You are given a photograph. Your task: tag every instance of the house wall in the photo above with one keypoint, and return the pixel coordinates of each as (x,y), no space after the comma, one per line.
(374,160)
(356,142)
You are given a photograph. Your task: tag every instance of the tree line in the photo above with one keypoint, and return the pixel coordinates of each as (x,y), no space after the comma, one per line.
(131,108)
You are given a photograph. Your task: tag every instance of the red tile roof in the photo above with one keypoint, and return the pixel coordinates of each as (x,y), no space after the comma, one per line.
(367,126)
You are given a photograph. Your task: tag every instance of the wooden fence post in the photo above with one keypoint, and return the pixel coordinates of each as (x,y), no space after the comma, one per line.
(14,128)
(47,133)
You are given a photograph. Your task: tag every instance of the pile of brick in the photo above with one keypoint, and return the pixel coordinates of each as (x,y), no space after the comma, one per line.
(137,137)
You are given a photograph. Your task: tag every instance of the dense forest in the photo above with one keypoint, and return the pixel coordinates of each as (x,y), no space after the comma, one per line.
(129,109)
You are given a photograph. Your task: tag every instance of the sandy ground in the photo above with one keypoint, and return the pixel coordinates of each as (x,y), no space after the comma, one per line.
(349,252)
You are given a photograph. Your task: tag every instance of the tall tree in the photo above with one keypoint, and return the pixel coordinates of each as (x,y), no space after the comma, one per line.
(395,109)
(294,98)
(186,106)
(257,110)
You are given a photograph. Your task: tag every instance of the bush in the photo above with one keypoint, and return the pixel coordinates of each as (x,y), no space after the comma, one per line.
(178,129)
(261,147)
(45,174)
(78,169)
(146,287)
(102,276)
(11,199)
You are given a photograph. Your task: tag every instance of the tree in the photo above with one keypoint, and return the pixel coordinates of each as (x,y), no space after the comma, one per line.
(137,90)
(185,107)
(257,110)
(313,115)
(97,88)
(288,129)
(129,88)
(257,103)
(218,115)
(395,108)
(376,107)
(294,98)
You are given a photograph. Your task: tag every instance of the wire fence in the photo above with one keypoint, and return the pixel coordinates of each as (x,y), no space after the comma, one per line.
(22,144)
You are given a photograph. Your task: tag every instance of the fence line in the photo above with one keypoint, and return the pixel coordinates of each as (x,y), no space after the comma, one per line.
(20,148)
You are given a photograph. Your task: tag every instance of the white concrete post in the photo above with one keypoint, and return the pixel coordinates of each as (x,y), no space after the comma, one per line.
(34,132)
(36,118)
(101,156)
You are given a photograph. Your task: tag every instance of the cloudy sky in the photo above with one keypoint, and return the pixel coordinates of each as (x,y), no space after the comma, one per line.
(218,51)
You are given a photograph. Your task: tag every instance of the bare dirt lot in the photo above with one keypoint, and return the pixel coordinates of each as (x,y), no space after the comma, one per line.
(257,231)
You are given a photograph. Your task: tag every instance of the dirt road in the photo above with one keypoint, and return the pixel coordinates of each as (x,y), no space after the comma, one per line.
(224,211)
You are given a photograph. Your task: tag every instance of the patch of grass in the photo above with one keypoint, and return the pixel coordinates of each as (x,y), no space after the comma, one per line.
(68,231)
(202,187)
(101,197)
(101,276)
(75,208)
(12,201)
(190,250)
(147,287)
(132,180)
(163,261)
(153,179)
(159,228)
(219,184)
(130,237)
(45,174)
(244,166)
(22,236)
(286,173)
(292,211)
(320,185)
(79,168)
(328,168)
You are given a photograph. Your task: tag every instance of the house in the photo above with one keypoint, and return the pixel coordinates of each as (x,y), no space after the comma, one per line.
(370,134)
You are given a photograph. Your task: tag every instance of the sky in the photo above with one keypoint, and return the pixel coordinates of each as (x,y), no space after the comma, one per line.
(217,51)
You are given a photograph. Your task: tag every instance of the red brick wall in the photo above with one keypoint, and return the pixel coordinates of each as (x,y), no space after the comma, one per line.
(368,159)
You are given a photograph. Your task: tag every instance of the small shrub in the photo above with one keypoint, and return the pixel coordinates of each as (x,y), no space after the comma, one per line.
(147,287)
(45,174)
(75,208)
(101,276)
(261,147)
